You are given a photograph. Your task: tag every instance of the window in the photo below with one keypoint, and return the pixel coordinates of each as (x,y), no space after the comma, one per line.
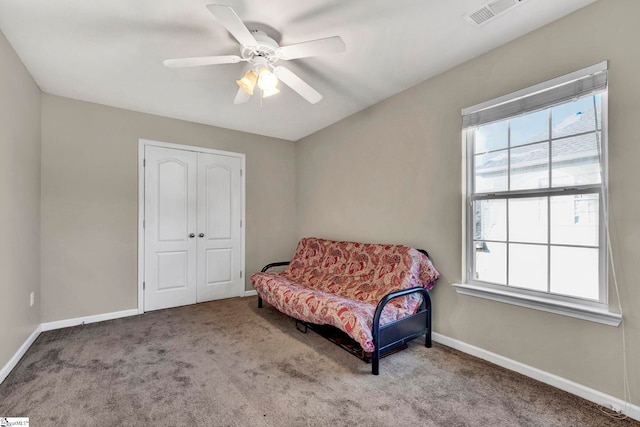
(536,193)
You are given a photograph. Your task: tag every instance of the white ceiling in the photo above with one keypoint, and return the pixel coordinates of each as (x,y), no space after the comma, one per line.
(111,52)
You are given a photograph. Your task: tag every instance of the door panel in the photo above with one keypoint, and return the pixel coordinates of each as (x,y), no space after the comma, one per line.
(218,208)
(219,263)
(170,216)
(173,200)
(219,215)
(172,270)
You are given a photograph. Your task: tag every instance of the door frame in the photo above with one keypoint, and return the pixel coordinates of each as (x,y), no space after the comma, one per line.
(142,143)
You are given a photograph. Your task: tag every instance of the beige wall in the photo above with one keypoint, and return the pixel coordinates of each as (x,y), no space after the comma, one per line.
(392,173)
(19,202)
(90,200)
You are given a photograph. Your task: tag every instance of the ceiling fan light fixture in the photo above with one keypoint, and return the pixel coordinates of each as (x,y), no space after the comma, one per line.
(268,92)
(267,80)
(248,81)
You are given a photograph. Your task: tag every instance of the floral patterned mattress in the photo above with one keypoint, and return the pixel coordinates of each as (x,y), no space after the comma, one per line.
(341,283)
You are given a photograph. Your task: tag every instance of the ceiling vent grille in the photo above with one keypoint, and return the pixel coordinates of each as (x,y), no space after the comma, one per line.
(490,10)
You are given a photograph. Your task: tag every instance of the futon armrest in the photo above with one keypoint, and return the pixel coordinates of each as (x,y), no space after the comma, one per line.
(402,330)
(267,267)
(274,264)
(426,301)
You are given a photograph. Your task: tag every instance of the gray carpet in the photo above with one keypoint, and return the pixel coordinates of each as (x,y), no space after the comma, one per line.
(228,363)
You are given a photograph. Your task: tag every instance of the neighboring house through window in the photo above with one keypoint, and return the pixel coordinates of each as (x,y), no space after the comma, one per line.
(536,195)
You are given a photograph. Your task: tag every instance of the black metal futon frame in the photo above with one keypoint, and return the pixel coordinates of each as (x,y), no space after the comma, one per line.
(387,338)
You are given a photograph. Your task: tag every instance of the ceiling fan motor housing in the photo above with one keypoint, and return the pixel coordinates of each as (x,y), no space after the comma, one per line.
(266,48)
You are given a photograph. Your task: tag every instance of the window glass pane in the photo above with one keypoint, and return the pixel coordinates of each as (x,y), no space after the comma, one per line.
(528,220)
(528,266)
(530,167)
(575,219)
(532,127)
(491,220)
(575,160)
(491,262)
(491,137)
(574,272)
(576,117)
(491,172)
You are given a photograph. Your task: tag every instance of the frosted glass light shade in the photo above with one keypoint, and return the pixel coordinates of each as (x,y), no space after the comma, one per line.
(268,92)
(267,80)
(248,81)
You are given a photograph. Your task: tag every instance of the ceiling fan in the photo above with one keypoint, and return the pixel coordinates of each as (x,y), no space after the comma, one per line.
(262,52)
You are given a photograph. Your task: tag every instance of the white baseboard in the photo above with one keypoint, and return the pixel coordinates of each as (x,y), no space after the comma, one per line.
(250,293)
(8,367)
(59,324)
(630,410)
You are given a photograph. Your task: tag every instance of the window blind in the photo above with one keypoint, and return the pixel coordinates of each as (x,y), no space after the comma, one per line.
(536,98)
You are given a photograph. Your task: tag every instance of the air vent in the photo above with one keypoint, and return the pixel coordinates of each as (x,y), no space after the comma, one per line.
(490,10)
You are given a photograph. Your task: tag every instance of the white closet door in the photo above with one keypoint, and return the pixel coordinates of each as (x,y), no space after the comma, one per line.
(170,227)
(219,227)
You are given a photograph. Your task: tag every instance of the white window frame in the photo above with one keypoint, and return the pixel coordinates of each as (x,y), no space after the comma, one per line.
(525,101)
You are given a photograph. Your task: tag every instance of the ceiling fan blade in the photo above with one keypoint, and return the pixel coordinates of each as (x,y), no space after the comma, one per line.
(287,77)
(241,97)
(313,48)
(201,60)
(233,24)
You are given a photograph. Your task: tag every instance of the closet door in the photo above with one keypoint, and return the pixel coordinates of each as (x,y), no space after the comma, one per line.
(219,227)
(192,227)
(170,227)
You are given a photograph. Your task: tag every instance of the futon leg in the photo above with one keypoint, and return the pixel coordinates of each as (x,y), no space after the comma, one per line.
(375,362)
(260,302)
(427,342)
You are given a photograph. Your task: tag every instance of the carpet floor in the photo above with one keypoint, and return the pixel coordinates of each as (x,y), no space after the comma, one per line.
(228,363)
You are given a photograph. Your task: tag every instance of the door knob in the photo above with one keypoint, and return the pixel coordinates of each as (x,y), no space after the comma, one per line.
(192,235)
(201,235)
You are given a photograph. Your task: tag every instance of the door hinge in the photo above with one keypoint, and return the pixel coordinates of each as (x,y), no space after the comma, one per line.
(144,163)
(240,223)
(144,223)
(144,285)
(240,172)
(241,274)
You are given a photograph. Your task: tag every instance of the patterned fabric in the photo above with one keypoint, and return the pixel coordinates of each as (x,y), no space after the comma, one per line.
(341,283)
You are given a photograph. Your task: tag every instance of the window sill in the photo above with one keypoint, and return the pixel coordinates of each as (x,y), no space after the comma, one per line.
(566,309)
